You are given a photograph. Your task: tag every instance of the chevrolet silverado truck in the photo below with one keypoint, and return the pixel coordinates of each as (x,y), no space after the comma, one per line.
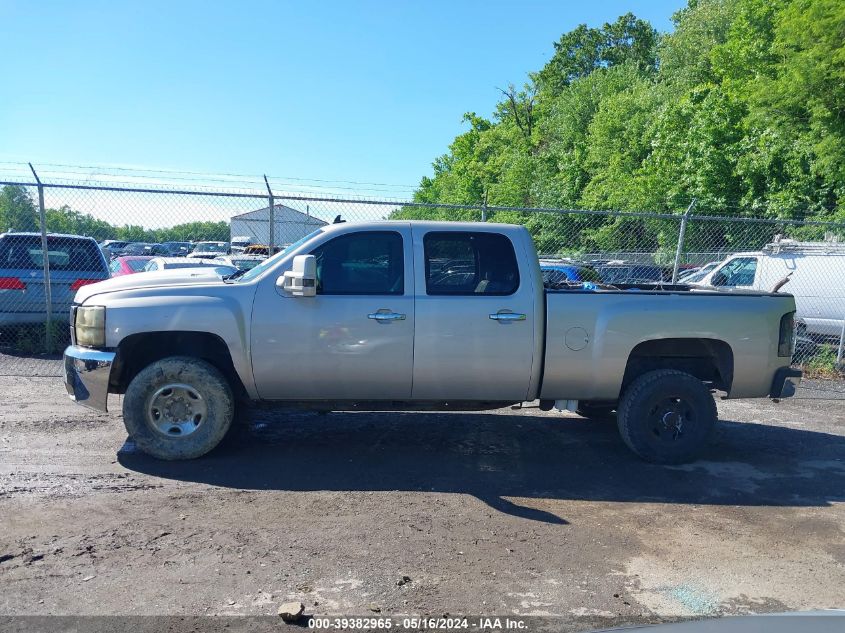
(421,316)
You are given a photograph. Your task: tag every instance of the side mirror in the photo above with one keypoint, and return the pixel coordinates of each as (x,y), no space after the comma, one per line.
(301,280)
(719,279)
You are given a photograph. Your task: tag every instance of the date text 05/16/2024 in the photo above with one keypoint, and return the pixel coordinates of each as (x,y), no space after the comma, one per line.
(482,623)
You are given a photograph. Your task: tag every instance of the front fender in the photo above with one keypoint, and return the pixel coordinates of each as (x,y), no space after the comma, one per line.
(223,310)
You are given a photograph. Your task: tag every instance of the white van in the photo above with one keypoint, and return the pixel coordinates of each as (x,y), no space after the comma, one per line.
(817,280)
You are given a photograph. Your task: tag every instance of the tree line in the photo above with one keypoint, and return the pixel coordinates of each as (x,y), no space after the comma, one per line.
(741,107)
(19,213)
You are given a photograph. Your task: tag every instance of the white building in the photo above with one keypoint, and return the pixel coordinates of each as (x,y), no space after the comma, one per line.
(289,225)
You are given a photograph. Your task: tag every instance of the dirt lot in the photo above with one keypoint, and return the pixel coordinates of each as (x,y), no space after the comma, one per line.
(511,512)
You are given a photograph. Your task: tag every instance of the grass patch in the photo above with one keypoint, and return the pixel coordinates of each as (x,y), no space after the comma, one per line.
(823,364)
(31,339)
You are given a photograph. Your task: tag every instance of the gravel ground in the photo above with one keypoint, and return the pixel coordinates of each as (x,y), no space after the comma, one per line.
(507,512)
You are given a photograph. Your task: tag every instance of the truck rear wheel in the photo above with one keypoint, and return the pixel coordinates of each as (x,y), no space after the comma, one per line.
(178,408)
(667,416)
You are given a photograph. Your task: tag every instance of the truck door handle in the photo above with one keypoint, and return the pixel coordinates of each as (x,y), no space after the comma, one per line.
(386,316)
(506,317)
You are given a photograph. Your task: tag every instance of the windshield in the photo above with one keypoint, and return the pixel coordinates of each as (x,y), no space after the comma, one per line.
(267,263)
(137,265)
(210,247)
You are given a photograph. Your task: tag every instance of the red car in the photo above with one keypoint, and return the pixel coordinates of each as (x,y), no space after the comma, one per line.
(128,265)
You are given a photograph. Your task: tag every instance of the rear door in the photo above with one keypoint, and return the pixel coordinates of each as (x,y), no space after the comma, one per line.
(474,336)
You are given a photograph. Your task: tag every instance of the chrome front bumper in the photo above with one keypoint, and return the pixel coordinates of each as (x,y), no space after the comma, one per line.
(87,374)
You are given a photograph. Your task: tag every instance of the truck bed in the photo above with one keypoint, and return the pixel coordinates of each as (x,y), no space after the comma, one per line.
(591,334)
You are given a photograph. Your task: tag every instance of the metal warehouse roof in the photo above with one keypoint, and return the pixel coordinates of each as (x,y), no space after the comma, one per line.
(281,211)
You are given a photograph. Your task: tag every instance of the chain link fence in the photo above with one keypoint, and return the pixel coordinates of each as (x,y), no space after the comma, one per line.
(59,236)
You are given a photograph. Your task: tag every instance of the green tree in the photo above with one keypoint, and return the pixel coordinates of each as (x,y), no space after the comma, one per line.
(584,50)
(742,107)
(66,220)
(17,210)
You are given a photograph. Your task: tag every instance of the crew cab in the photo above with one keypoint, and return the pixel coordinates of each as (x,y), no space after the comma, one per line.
(421,316)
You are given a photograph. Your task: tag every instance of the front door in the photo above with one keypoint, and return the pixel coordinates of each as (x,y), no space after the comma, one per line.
(355,339)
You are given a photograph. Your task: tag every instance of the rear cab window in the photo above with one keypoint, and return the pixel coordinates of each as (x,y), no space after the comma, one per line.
(23,252)
(464,263)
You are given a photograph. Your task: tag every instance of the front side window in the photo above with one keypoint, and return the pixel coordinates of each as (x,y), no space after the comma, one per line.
(468,263)
(364,263)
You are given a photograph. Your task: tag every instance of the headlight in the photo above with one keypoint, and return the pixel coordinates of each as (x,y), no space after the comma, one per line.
(90,326)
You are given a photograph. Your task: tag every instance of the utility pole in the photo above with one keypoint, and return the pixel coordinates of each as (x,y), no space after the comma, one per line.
(272,216)
(681,235)
(45,256)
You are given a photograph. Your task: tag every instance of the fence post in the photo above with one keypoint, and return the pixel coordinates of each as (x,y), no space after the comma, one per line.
(45,256)
(841,345)
(484,207)
(681,234)
(272,216)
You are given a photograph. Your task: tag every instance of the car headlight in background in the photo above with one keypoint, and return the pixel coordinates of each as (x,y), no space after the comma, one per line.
(90,326)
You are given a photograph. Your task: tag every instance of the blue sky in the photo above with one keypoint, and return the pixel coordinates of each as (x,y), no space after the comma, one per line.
(357,91)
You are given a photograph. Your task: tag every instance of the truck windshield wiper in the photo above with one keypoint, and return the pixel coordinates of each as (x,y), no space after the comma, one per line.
(234,275)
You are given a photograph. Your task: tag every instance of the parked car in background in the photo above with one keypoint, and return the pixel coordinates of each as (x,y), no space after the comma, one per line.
(169,263)
(632,273)
(697,274)
(563,272)
(239,243)
(241,262)
(128,264)
(805,347)
(74,262)
(260,249)
(175,249)
(140,248)
(209,250)
(816,278)
(112,248)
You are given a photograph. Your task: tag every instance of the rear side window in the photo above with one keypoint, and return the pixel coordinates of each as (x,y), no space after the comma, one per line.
(23,252)
(364,263)
(469,263)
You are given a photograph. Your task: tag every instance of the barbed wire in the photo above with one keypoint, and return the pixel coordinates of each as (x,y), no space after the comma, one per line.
(210,177)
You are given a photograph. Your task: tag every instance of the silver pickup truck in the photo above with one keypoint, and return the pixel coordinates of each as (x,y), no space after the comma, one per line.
(420,316)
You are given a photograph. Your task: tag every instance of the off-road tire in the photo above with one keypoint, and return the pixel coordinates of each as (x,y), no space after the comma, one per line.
(658,396)
(206,380)
(597,412)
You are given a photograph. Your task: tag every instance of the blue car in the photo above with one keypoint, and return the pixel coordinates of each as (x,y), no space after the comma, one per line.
(554,274)
(74,262)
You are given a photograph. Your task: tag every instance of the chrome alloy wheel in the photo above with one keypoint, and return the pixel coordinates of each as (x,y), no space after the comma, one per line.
(176,410)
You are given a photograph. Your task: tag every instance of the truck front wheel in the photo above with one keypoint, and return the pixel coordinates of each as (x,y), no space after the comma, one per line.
(667,416)
(178,408)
